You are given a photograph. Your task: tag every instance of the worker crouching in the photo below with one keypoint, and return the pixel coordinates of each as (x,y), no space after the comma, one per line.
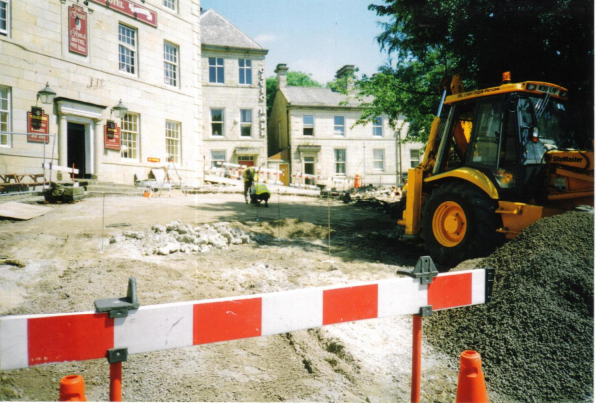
(259,193)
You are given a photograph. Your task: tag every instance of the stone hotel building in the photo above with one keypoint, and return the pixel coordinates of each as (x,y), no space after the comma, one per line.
(126,78)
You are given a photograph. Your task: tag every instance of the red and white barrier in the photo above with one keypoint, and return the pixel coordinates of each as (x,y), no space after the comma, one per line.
(31,340)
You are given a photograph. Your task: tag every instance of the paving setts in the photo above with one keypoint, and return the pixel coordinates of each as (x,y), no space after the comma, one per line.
(177,237)
(536,335)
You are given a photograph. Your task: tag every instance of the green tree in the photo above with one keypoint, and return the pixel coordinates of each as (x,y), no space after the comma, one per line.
(544,40)
(295,79)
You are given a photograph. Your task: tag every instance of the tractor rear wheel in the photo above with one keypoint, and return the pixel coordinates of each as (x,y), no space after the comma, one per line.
(459,222)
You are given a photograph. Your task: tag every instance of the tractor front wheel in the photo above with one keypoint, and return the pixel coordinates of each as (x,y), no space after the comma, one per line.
(458,223)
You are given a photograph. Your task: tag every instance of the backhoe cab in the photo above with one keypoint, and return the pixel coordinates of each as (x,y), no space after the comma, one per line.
(496,161)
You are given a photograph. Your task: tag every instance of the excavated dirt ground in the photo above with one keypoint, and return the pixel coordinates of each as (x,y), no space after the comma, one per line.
(63,261)
(65,270)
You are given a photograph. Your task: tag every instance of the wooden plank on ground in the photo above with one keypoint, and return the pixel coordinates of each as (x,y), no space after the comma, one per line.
(22,211)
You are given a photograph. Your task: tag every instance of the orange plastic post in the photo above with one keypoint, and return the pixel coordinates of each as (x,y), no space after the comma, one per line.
(72,389)
(471,383)
(73,173)
(115,381)
(415,389)
(357,181)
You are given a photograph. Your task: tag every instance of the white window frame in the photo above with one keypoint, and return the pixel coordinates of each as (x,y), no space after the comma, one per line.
(216,66)
(245,71)
(341,163)
(6,29)
(415,160)
(378,126)
(5,114)
(130,136)
(171,64)
(173,140)
(378,162)
(213,161)
(310,126)
(339,129)
(221,122)
(128,47)
(244,124)
(170,5)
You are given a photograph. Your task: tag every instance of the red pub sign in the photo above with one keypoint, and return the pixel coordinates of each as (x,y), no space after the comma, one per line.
(78,35)
(37,122)
(112,136)
(131,9)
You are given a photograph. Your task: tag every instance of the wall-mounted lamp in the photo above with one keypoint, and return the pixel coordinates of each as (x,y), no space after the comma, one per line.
(46,95)
(120,110)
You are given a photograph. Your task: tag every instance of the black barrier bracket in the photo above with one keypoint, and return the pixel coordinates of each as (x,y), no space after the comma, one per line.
(116,355)
(424,270)
(426,310)
(490,274)
(120,307)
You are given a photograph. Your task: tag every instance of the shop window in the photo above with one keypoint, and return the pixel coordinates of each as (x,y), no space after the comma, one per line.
(130,131)
(340,161)
(127,49)
(245,66)
(339,125)
(217,119)
(308,122)
(246,122)
(378,159)
(171,57)
(173,142)
(216,70)
(378,126)
(5,118)
(217,158)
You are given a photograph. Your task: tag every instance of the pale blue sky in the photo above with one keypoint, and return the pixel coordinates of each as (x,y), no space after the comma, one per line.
(313,36)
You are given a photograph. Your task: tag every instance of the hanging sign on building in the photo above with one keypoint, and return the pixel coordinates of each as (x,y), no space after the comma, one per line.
(153,159)
(112,136)
(78,37)
(37,123)
(131,9)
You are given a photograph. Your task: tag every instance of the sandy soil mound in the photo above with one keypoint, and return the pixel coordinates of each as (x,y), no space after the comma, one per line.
(536,336)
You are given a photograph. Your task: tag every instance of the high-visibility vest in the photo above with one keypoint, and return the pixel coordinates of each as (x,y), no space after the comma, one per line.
(261,188)
(249,175)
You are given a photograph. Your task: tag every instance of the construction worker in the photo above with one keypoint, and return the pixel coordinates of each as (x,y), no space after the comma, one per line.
(249,177)
(259,193)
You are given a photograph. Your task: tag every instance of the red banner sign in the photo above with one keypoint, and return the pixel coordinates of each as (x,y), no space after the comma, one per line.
(131,9)
(78,37)
(112,136)
(37,122)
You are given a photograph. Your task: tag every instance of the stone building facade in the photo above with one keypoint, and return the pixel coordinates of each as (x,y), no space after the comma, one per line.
(315,129)
(96,55)
(233,95)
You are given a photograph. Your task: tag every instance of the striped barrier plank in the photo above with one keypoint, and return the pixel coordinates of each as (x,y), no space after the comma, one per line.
(31,340)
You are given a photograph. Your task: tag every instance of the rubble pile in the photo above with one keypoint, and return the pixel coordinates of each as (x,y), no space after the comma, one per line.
(536,336)
(382,196)
(178,237)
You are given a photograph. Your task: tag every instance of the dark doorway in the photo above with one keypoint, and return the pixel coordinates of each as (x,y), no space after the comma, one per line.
(76,148)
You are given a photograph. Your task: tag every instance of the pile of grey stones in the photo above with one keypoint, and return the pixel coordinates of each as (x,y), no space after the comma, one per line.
(178,237)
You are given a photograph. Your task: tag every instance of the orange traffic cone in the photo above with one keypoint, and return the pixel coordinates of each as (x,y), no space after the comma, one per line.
(471,383)
(72,389)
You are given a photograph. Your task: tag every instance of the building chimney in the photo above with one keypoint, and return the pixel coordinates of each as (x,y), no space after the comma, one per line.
(346,73)
(281,71)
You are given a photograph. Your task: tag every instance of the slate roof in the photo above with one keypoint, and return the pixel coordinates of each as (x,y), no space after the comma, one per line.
(217,31)
(314,96)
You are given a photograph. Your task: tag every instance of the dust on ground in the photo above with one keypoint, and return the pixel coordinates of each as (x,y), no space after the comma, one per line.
(70,262)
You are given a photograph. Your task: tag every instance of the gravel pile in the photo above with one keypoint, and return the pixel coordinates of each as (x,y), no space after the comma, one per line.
(536,336)
(177,237)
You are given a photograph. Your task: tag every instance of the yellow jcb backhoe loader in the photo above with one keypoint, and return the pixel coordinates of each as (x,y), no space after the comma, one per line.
(496,161)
